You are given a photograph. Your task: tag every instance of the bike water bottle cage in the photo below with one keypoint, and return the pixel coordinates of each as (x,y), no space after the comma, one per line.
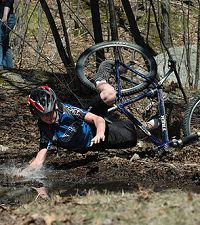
(41,101)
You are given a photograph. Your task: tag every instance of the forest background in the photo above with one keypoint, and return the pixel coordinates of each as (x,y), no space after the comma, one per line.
(47,40)
(54,33)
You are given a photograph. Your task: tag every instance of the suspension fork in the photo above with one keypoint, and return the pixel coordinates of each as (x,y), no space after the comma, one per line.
(162,113)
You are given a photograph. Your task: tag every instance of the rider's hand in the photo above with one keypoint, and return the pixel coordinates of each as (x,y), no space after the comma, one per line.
(98,138)
(4,20)
(31,168)
(42,192)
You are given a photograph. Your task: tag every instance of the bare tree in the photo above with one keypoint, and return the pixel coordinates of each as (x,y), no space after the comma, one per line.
(113,20)
(134,28)
(66,60)
(96,21)
(67,44)
(186,40)
(165,24)
(198,52)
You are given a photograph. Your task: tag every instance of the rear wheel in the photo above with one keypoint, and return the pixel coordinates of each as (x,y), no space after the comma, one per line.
(191,123)
(135,64)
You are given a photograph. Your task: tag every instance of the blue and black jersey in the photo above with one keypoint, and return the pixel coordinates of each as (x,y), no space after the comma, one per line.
(70,131)
(73,133)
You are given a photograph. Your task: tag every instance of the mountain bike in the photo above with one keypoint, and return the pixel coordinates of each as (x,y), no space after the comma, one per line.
(135,78)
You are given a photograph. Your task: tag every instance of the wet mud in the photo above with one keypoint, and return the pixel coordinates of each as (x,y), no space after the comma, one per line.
(74,173)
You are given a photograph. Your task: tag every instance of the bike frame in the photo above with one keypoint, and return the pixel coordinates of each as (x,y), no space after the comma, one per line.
(154,92)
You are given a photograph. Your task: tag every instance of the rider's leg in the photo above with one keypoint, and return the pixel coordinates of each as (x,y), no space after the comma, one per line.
(107,92)
(118,135)
(121,134)
(155,122)
(98,106)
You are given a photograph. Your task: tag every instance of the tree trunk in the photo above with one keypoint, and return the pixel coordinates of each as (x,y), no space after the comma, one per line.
(113,20)
(56,35)
(134,28)
(96,21)
(198,53)
(165,28)
(65,35)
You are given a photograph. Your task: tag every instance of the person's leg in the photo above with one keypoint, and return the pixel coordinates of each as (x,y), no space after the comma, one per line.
(11,22)
(121,134)
(7,52)
(1,45)
(7,55)
(107,91)
(118,135)
(98,106)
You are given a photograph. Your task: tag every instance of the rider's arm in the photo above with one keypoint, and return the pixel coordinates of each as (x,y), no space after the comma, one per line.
(5,14)
(38,162)
(100,125)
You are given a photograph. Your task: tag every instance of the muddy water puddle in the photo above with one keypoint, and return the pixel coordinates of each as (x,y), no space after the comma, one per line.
(18,187)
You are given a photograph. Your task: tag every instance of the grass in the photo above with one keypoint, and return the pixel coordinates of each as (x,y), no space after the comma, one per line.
(143,207)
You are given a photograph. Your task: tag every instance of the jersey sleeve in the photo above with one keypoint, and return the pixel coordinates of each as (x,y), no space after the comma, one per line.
(45,136)
(45,141)
(75,111)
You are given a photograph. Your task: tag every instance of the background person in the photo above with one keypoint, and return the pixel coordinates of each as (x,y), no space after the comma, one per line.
(7,23)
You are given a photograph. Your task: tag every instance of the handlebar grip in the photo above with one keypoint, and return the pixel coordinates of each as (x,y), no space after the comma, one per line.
(190,138)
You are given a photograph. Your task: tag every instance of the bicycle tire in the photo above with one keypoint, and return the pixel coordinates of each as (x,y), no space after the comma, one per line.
(191,121)
(132,84)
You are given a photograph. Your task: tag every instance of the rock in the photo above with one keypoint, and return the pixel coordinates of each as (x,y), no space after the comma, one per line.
(135,157)
(180,57)
(3,148)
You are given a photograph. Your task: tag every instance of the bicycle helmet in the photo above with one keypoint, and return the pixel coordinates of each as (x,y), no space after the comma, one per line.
(42,100)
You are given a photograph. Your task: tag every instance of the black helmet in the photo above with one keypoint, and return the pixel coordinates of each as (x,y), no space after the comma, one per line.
(42,100)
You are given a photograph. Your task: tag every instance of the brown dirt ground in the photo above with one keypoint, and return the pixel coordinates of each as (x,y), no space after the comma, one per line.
(111,170)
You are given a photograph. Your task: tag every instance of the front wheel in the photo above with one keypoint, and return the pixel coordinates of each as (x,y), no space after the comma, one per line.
(137,67)
(191,122)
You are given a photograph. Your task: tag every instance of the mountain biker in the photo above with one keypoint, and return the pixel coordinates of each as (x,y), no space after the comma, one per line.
(74,128)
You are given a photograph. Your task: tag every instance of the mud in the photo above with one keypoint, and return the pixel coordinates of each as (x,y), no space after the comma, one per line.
(69,173)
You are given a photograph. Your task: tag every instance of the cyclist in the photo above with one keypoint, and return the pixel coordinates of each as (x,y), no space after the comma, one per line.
(74,128)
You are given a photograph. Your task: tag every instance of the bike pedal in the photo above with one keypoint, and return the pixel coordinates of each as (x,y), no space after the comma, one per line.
(163,152)
(159,152)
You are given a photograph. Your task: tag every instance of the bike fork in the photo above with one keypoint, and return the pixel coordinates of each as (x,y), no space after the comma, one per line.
(163,118)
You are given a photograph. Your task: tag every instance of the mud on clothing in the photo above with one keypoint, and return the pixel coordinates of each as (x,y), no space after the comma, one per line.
(73,133)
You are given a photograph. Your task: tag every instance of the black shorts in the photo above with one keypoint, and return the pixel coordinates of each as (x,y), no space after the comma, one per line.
(119,134)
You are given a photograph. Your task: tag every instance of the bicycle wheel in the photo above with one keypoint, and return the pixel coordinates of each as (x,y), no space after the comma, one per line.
(133,60)
(191,122)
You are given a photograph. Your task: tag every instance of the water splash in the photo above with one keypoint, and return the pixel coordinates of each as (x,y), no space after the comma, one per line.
(22,174)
